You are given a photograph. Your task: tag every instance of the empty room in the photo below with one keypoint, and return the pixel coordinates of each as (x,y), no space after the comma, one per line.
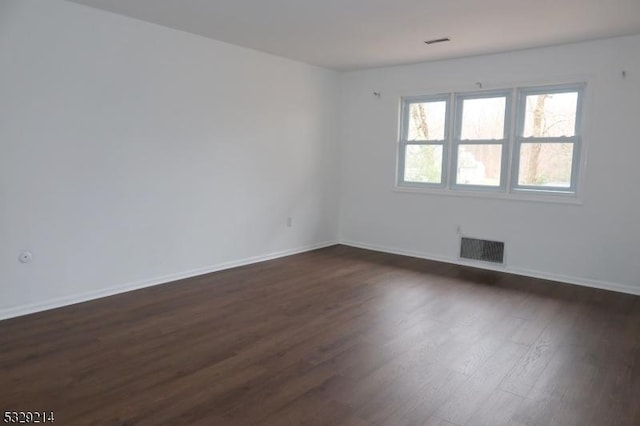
(340,213)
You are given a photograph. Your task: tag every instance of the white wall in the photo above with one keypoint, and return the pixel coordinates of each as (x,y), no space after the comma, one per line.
(596,243)
(132,154)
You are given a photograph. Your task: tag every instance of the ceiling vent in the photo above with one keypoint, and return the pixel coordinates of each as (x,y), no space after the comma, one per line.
(438,40)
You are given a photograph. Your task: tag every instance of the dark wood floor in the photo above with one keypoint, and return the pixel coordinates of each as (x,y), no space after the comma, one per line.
(338,336)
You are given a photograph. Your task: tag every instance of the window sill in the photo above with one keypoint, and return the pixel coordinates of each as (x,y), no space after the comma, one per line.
(520,195)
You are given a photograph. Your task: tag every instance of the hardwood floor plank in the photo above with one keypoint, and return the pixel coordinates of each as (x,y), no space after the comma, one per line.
(418,408)
(497,410)
(529,370)
(435,421)
(477,389)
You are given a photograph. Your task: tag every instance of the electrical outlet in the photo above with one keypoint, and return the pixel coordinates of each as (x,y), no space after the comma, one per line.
(289,222)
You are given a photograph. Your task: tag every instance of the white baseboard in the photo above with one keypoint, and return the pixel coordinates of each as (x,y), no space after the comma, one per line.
(585,282)
(91,295)
(84,297)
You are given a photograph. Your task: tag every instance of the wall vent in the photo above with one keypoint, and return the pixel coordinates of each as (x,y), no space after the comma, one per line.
(484,250)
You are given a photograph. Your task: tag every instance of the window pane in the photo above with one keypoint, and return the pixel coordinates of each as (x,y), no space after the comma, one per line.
(483,118)
(423,163)
(427,121)
(545,164)
(550,115)
(479,164)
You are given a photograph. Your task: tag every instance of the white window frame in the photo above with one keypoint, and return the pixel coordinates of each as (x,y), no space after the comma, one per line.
(515,109)
(504,142)
(520,139)
(404,140)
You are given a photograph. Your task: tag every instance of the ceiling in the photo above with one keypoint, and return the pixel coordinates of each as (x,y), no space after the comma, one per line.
(353,34)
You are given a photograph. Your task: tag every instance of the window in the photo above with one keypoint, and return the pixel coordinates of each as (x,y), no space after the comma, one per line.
(481,139)
(465,140)
(423,145)
(548,139)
